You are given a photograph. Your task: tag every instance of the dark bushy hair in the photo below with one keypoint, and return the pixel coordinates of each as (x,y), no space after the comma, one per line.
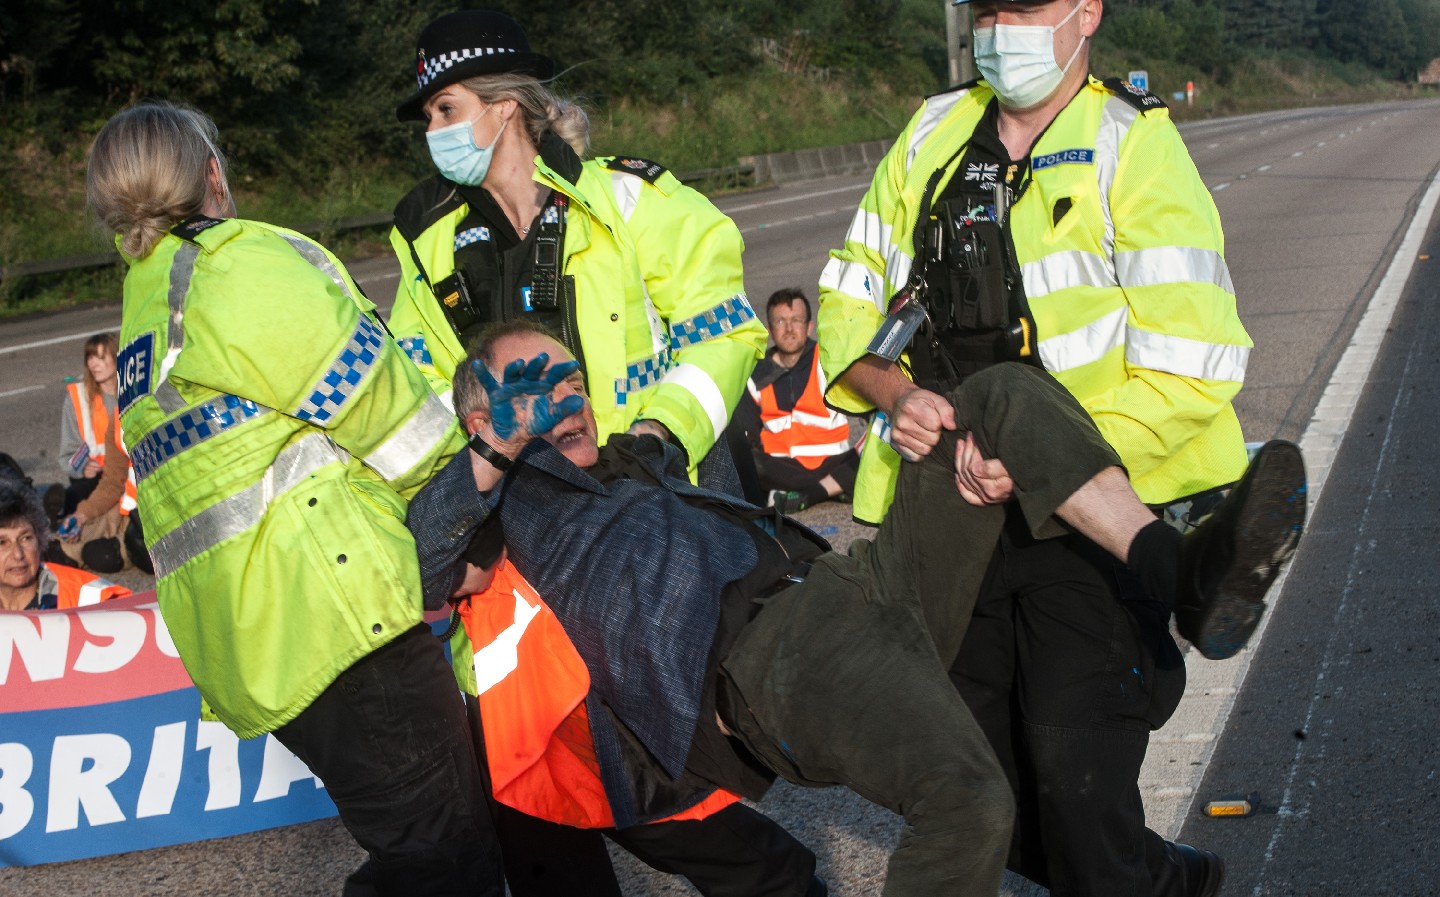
(18,502)
(785,296)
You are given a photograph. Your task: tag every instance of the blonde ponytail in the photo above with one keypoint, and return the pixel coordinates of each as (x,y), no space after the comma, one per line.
(148,169)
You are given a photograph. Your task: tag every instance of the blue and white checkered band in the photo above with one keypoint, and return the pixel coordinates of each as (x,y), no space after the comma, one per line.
(880,426)
(350,367)
(434,67)
(190,428)
(716,322)
(415,347)
(471,235)
(642,375)
(550,215)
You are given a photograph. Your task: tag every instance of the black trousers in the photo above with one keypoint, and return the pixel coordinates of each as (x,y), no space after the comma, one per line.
(389,740)
(1068,666)
(737,852)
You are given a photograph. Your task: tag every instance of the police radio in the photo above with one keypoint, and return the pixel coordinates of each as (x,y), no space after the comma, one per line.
(549,245)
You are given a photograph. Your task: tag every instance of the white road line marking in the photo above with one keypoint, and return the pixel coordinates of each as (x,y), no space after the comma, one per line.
(841,210)
(1288,808)
(52,341)
(775,202)
(1218,187)
(15,392)
(1263,168)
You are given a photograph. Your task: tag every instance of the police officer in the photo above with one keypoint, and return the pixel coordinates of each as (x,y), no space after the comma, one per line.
(641,277)
(1045,216)
(638,273)
(277,433)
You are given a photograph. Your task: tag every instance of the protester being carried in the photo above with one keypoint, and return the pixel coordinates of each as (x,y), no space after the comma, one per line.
(723,640)
(801,447)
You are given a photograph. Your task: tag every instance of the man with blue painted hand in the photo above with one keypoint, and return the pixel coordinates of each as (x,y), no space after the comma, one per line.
(726,644)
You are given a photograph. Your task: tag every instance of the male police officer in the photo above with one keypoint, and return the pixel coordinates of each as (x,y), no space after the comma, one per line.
(1045,216)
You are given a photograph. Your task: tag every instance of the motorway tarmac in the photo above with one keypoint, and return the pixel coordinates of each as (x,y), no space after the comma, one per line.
(1335,727)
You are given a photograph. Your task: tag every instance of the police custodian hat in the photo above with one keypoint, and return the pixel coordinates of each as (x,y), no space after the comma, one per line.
(467,44)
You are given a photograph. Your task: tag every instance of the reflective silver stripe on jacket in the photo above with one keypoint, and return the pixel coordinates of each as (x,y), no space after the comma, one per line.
(189,429)
(413,441)
(181,269)
(234,515)
(317,257)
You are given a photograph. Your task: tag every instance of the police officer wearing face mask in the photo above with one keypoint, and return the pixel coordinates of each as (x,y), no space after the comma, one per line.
(640,276)
(1043,216)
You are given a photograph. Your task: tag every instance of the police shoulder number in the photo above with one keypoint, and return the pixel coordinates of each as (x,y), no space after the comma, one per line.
(641,168)
(1141,99)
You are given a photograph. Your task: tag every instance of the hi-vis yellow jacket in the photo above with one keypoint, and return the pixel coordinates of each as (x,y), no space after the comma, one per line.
(277,433)
(1128,287)
(665,328)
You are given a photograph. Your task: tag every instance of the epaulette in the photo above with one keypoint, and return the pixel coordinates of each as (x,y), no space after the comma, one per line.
(1143,100)
(194,226)
(955,88)
(428,202)
(641,168)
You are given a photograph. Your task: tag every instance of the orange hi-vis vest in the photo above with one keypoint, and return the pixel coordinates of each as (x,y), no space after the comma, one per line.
(532,685)
(128,499)
(810,432)
(91,418)
(81,588)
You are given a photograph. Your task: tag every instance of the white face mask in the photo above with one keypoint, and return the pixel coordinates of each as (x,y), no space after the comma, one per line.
(1018,61)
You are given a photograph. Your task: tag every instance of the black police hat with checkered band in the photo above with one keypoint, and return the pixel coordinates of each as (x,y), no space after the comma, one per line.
(468,44)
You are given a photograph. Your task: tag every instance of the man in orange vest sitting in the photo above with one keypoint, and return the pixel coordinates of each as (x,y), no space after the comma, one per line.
(26,583)
(801,447)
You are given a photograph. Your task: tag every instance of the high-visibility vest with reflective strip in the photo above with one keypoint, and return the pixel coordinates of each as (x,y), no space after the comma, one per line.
(664,323)
(130,498)
(276,433)
(92,419)
(532,685)
(1121,252)
(811,431)
(81,588)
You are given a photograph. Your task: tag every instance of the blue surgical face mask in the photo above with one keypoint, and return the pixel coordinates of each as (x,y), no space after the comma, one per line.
(1018,61)
(454,152)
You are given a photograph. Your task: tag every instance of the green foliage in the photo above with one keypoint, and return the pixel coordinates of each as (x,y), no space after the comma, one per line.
(304,91)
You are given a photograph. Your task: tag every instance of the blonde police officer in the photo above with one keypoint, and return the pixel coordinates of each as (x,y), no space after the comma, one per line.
(641,277)
(639,274)
(1044,216)
(277,432)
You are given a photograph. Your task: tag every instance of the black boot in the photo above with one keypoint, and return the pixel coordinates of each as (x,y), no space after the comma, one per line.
(1229,562)
(1186,871)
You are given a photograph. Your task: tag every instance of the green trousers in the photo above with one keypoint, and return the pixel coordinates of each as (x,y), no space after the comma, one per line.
(842,679)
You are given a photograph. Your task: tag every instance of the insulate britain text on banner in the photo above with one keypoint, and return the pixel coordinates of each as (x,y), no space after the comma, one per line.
(102,749)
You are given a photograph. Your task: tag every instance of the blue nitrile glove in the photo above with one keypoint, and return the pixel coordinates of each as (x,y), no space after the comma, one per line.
(522,378)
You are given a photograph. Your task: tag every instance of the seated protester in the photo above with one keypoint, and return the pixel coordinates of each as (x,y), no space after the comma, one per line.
(96,533)
(725,644)
(801,447)
(25,582)
(87,416)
